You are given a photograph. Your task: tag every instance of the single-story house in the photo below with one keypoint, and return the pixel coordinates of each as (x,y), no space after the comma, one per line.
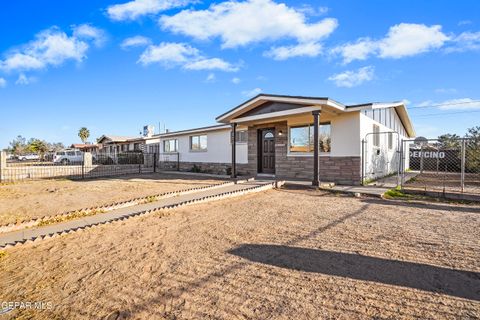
(85,147)
(110,144)
(281,136)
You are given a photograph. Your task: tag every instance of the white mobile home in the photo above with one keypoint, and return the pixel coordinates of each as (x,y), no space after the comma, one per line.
(293,137)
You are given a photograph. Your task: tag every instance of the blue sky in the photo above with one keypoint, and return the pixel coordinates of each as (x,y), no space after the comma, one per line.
(114,66)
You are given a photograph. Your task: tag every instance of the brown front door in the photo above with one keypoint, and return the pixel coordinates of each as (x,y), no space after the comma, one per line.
(267,152)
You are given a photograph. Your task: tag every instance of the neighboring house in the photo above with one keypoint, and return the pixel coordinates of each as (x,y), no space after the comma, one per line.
(117,144)
(275,136)
(87,147)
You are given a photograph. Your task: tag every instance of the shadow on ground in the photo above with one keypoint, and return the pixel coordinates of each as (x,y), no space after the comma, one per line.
(458,283)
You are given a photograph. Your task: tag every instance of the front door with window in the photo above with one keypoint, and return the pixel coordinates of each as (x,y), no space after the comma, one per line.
(267,151)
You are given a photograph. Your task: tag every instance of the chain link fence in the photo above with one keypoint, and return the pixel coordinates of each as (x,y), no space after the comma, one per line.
(451,166)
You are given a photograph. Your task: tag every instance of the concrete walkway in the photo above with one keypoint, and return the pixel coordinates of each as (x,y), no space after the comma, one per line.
(21,236)
(392,181)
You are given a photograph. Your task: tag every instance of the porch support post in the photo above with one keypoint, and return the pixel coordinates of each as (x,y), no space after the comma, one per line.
(316,158)
(234,150)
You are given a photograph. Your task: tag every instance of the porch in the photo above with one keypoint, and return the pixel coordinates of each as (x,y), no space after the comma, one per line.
(294,141)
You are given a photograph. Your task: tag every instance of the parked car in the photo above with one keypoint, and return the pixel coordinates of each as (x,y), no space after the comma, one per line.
(68,156)
(29,157)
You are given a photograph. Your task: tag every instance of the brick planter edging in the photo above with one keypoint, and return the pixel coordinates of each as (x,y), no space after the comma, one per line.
(29,223)
(221,196)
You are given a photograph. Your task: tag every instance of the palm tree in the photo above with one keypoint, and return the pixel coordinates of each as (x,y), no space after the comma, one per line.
(84,133)
(38,146)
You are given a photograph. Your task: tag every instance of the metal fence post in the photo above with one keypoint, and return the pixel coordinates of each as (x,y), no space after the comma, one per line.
(403,152)
(155,162)
(399,167)
(178,161)
(421,158)
(363,162)
(3,164)
(462,175)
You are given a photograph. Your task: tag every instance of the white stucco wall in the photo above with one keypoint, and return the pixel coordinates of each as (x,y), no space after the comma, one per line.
(345,139)
(218,148)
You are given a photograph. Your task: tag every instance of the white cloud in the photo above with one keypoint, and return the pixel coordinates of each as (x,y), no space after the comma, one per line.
(359,50)
(51,47)
(236,80)
(168,54)
(300,50)
(402,40)
(408,39)
(446,90)
(173,54)
(251,93)
(465,41)
(311,11)
(426,103)
(353,78)
(87,31)
(242,23)
(464,22)
(211,77)
(3,83)
(210,64)
(136,41)
(24,80)
(137,8)
(452,104)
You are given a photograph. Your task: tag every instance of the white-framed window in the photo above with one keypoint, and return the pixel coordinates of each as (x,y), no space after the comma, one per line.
(198,143)
(170,145)
(241,136)
(390,140)
(301,138)
(376,135)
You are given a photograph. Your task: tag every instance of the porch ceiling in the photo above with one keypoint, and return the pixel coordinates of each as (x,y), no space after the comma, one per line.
(301,115)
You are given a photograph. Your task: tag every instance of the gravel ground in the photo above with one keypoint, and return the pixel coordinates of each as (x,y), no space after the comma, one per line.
(282,254)
(35,199)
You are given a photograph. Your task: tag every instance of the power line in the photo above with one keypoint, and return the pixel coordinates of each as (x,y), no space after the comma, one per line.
(445,113)
(444,104)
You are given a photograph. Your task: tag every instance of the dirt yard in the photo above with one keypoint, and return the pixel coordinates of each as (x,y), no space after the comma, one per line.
(34,199)
(282,254)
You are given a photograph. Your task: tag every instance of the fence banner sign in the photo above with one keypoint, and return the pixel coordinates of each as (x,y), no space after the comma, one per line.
(435,160)
(427,154)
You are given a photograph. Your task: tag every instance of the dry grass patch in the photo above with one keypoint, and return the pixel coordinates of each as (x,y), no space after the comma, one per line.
(35,199)
(281,254)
